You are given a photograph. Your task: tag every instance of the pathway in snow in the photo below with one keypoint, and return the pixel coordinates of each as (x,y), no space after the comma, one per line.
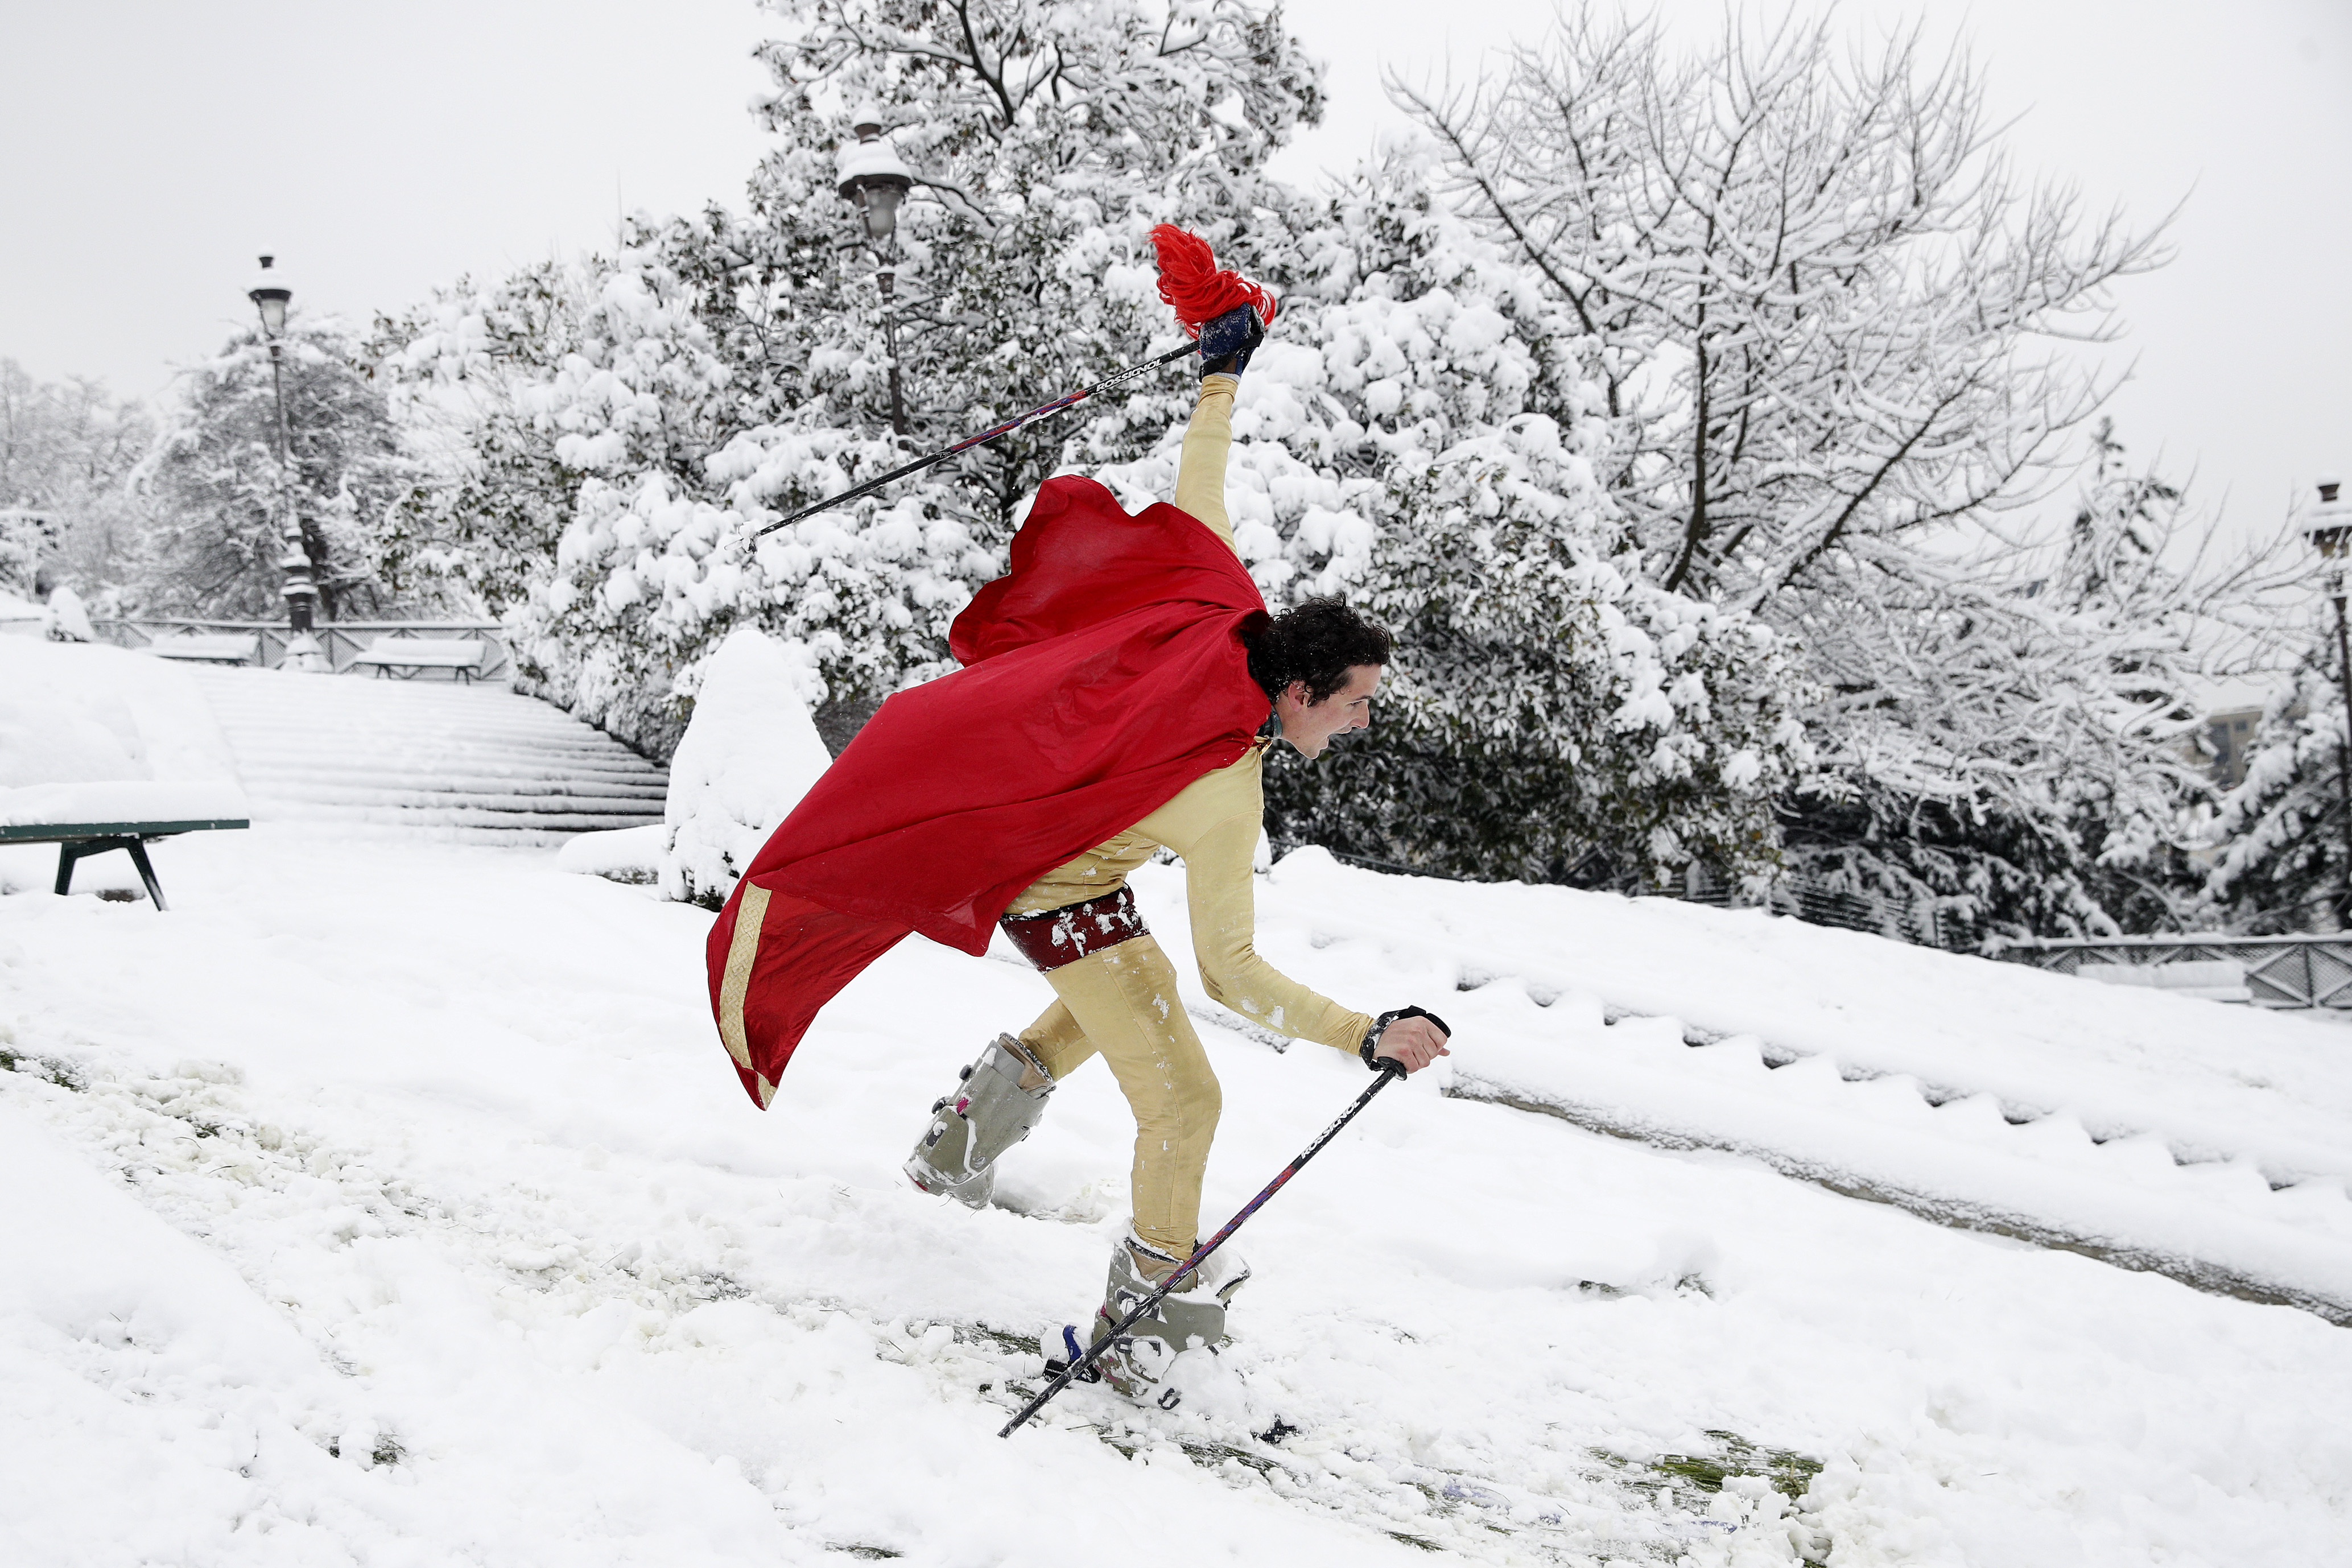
(354,754)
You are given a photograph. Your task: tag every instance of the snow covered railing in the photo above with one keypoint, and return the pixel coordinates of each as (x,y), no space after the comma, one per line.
(346,642)
(2299,972)
(1821,903)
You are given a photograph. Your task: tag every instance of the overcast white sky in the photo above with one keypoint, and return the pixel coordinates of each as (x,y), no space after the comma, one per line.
(148,149)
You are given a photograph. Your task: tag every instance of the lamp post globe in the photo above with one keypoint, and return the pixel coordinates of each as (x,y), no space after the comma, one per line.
(2327,523)
(270,296)
(876,179)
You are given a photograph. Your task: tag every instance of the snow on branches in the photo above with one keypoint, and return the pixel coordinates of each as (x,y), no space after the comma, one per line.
(221,497)
(1420,432)
(610,422)
(1684,417)
(1822,310)
(2017,744)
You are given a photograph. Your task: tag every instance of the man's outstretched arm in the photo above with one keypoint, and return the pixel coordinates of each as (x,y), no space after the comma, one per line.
(1208,439)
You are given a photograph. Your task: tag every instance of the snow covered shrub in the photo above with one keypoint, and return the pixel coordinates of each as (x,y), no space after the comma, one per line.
(750,753)
(27,538)
(69,618)
(1554,712)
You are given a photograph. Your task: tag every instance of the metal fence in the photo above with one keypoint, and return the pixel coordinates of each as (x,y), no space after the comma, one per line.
(1817,903)
(342,640)
(2305,971)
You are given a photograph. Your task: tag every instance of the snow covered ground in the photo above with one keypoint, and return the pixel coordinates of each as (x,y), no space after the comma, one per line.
(391,1203)
(2144,1128)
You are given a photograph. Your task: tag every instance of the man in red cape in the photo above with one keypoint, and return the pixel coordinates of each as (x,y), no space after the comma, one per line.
(1113,687)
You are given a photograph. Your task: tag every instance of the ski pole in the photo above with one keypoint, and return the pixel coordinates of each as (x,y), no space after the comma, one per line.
(969,442)
(1390,1070)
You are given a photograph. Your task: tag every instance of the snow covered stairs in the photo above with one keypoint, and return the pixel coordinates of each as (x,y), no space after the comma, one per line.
(2208,1144)
(367,757)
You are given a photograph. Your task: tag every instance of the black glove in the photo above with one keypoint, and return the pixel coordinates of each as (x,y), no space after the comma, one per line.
(1372,1037)
(1227,341)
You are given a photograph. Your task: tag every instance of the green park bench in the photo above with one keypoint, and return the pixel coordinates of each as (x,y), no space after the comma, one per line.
(78,841)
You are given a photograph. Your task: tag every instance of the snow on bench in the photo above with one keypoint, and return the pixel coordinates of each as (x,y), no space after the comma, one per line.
(206,647)
(398,654)
(101,749)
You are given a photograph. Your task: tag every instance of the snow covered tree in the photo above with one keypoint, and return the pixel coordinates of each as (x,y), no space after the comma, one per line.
(462,378)
(2280,834)
(66,450)
(1816,283)
(214,480)
(722,370)
(1821,308)
(1419,432)
(552,404)
(2030,763)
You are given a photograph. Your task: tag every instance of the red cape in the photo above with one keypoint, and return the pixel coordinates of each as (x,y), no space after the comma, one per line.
(1101,675)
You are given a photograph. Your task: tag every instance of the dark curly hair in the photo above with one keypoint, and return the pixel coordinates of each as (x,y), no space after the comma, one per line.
(1317,640)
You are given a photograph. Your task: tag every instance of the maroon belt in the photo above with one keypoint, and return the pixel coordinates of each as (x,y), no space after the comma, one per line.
(1052,938)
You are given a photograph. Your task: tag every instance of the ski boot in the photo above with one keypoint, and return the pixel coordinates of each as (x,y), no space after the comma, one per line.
(1137,1364)
(1228,340)
(998,1100)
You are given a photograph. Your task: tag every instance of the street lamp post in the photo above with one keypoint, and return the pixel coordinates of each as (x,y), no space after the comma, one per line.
(2328,526)
(875,177)
(270,296)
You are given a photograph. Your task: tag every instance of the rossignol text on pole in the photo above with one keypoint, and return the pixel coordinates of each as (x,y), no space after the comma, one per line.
(969,442)
(1390,1071)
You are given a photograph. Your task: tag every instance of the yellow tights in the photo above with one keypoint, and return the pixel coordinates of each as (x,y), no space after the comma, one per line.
(1122,1002)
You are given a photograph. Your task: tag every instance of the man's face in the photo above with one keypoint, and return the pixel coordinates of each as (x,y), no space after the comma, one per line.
(1310,726)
